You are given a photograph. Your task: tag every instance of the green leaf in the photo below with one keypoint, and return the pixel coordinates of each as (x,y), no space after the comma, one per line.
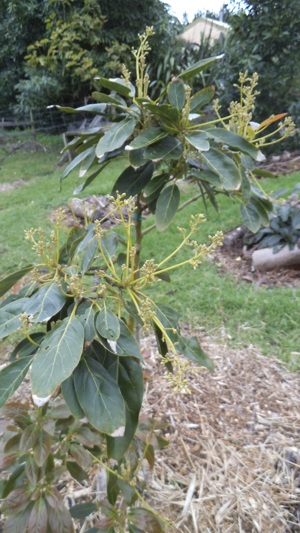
(99,396)
(206,176)
(42,447)
(251,217)
(162,345)
(118,85)
(144,520)
(76,471)
(9,322)
(46,302)
(168,116)
(86,315)
(76,161)
(192,71)
(10,280)
(136,158)
(108,99)
(110,242)
(82,510)
(91,178)
(108,325)
(115,136)
(168,148)
(93,108)
(201,98)
(231,139)
(199,141)
(192,349)
(25,348)
(225,167)
(57,357)
(263,173)
(130,381)
(155,185)
(11,377)
(69,393)
(147,137)
(88,254)
(166,207)
(126,343)
(132,181)
(12,482)
(38,517)
(176,93)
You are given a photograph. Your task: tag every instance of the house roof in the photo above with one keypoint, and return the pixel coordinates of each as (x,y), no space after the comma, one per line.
(204,27)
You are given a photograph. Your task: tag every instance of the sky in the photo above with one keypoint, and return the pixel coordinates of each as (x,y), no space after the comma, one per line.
(178,7)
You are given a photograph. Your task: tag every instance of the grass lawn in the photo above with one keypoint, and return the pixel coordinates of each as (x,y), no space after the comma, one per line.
(214,304)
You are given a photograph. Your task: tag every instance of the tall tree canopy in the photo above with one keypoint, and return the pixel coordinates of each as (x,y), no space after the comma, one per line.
(56,47)
(265,38)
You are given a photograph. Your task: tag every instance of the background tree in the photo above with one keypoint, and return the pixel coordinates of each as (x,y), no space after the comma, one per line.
(265,39)
(20,24)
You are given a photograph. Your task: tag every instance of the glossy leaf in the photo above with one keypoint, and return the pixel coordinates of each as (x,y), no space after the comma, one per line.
(99,396)
(108,99)
(108,325)
(109,243)
(9,322)
(166,207)
(46,302)
(11,378)
(86,315)
(231,139)
(200,99)
(136,158)
(251,217)
(92,108)
(88,254)
(42,447)
(25,348)
(115,136)
(91,178)
(57,357)
(192,71)
(11,483)
(10,280)
(76,471)
(126,343)
(38,519)
(82,510)
(176,93)
(167,115)
(191,348)
(69,393)
(147,137)
(76,161)
(168,148)
(119,85)
(199,141)
(225,167)
(132,181)
(130,381)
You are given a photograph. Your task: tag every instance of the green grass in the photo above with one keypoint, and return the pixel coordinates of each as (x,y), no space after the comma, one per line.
(210,302)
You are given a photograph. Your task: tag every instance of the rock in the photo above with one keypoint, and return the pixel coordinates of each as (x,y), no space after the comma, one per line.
(266,259)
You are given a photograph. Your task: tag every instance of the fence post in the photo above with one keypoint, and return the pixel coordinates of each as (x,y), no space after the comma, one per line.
(32,126)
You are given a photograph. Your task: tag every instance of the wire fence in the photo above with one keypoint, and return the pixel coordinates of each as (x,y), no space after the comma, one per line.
(48,121)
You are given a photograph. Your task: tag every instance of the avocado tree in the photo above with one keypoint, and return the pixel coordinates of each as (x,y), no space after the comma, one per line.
(78,317)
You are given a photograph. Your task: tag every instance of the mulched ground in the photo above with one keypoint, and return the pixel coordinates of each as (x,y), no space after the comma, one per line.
(233,462)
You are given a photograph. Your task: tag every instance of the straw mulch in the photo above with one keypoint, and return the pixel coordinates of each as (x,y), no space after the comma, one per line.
(233,463)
